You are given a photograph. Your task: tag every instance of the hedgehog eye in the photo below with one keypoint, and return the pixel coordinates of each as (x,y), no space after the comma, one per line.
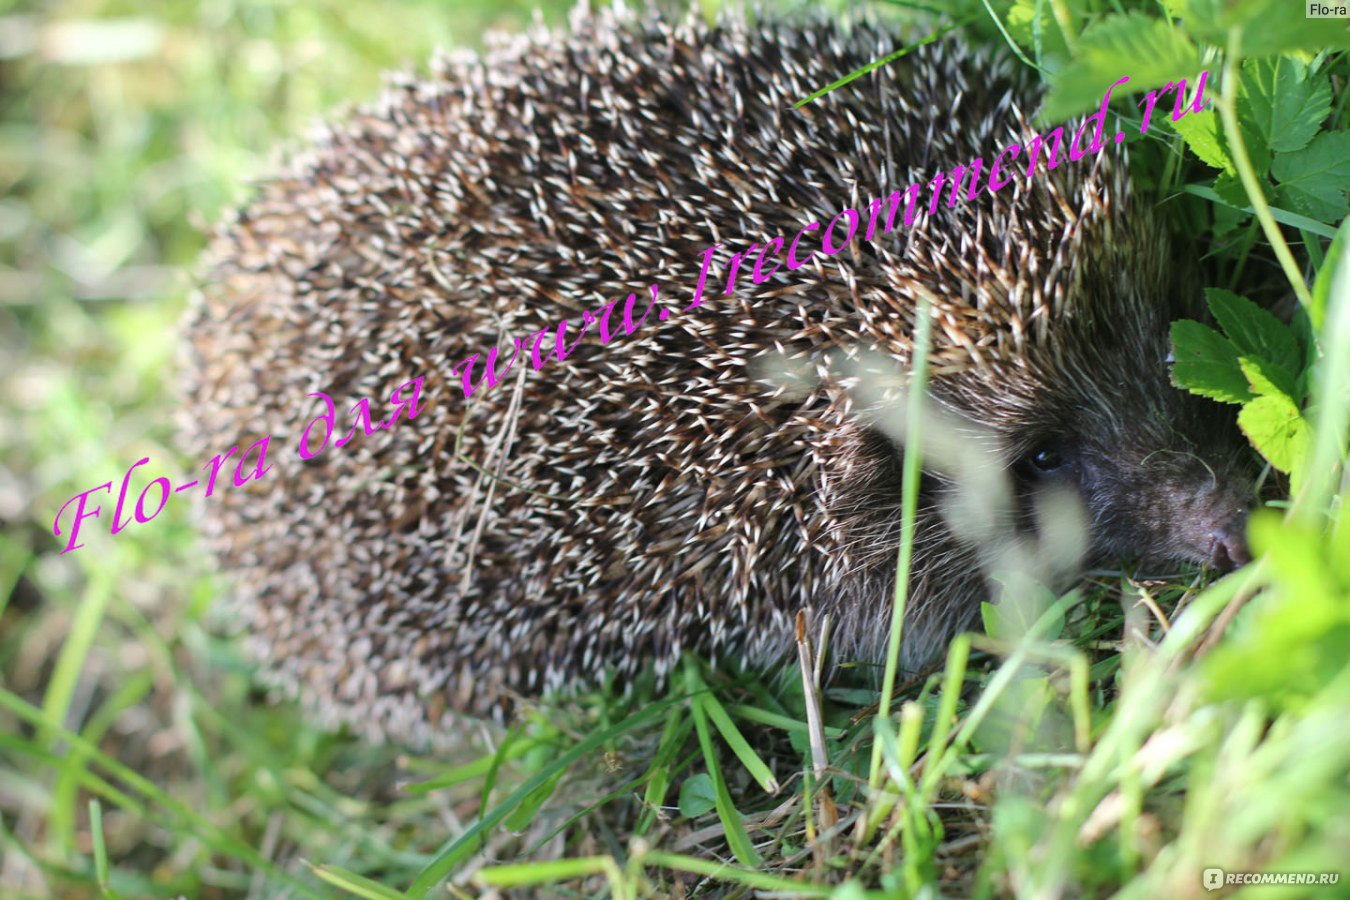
(1046,459)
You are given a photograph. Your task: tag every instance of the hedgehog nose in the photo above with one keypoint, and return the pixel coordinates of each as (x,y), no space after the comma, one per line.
(1229,549)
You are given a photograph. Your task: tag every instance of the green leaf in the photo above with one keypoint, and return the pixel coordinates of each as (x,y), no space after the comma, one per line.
(1288,644)
(1230,190)
(1203,133)
(1035,29)
(1253,138)
(1297,552)
(1266,28)
(1283,216)
(1257,151)
(1321,291)
(1277,429)
(989,616)
(1267,379)
(697,795)
(1226,218)
(1254,331)
(1313,181)
(1206,363)
(1282,103)
(1149,50)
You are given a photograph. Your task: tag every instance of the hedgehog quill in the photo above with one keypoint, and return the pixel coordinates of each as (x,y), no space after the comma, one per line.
(625,507)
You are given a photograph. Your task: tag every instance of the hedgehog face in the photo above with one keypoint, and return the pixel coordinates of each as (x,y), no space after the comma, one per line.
(1168,482)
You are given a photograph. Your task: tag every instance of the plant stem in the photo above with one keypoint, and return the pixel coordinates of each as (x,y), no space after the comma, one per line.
(1238,149)
(909,503)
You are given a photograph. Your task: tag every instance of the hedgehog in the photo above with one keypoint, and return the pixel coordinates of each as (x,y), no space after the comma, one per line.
(611,507)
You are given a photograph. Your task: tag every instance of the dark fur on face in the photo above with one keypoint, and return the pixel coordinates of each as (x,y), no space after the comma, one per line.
(1162,476)
(1173,485)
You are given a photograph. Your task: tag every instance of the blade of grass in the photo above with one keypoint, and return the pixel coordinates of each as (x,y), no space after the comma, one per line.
(459,848)
(758,769)
(909,506)
(14,559)
(100,850)
(776,720)
(520,874)
(737,837)
(75,651)
(65,791)
(207,832)
(761,881)
(884,61)
(622,790)
(357,885)
(660,771)
(1283,216)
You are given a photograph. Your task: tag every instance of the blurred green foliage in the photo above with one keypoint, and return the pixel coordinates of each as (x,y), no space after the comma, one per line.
(125,131)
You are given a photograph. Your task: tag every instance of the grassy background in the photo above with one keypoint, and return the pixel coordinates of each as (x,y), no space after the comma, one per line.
(1107,762)
(124,129)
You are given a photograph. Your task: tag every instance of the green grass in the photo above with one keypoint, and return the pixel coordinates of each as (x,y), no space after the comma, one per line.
(124,128)
(1108,749)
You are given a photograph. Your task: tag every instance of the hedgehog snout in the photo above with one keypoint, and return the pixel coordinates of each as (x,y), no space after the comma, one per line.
(1211,528)
(1180,505)
(1229,549)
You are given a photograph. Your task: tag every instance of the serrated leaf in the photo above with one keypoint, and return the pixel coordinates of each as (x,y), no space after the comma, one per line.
(1206,363)
(1156,52)
(1337,255)
(1284,105)
(1203,134)
(1258,151)
(1229,188)
(1266,27)
(1254,331)
(697,796)
(1277,429)
(1038,33)
(1267,379)
(1254,139)
(1313,181)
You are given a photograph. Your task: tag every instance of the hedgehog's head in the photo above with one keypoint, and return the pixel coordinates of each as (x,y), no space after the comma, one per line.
(1051,316)
(1162,474)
